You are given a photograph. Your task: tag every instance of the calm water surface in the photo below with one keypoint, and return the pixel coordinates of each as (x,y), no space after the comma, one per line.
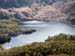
(44,29)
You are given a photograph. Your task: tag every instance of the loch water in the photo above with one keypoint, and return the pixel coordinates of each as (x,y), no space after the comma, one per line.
(43,30)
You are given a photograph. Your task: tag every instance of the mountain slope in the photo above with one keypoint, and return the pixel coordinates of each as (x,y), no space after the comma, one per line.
(52,10)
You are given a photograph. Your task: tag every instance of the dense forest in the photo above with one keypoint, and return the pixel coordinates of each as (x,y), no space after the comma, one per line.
(8,28)
(59,45)
(11,27)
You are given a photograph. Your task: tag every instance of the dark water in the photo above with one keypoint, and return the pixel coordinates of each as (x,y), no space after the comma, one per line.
(44,29)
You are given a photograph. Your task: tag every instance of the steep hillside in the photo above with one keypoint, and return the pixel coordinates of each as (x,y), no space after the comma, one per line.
(19,3)
(11,3)
(52,10)
(71,12)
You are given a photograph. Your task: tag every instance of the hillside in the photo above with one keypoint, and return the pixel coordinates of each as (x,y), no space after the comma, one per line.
(71,12)
(60,45)
(20,3)
(52,10)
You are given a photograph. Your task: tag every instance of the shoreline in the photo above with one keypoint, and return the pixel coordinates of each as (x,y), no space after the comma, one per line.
(57,22)
(66,22)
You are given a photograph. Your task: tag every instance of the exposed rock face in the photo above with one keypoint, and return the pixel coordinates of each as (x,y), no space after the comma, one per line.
(53,10)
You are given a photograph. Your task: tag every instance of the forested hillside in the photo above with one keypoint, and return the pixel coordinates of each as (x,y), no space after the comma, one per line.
(8,28)
(11,3)
(19,3)
(71,12)
(60,45)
